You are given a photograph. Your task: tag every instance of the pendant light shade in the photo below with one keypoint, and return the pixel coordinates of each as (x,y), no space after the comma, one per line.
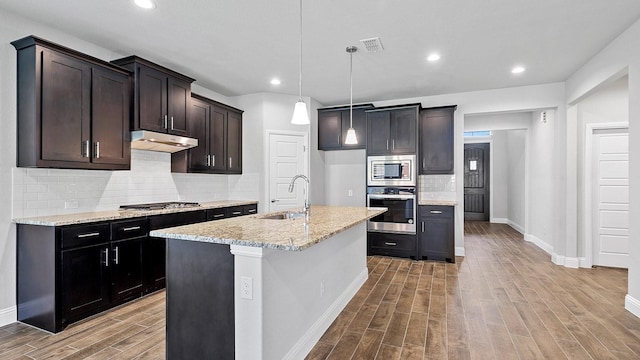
(351,139)
(300,115)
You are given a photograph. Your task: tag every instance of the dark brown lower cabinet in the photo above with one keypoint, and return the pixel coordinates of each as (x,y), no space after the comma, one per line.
(68,273)
(436,235)
(401,245)
(85,280)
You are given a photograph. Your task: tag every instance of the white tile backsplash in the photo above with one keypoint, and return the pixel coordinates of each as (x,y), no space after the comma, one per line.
(437,187)
(42,192)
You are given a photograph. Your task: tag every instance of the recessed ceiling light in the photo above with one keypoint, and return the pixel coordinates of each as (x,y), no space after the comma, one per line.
(275,81)
(145,4)
(433,57)
(518,70)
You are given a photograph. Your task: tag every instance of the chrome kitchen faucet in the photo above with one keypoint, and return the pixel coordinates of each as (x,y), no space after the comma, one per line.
(305,192)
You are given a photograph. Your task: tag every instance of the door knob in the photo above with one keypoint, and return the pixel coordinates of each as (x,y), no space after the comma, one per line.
(274,200)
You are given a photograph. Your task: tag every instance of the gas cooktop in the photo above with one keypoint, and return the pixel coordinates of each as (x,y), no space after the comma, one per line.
(160,206)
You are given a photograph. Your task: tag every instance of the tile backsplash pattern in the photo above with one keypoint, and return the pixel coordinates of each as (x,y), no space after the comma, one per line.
(437,187)
(42,192)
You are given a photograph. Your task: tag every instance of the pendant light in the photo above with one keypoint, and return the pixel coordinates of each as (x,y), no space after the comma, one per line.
(351,139)
(300,115)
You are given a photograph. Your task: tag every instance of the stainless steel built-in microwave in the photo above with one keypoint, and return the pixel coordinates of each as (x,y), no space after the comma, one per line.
(391,170)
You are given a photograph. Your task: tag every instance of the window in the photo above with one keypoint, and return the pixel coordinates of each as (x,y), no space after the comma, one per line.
(477,133)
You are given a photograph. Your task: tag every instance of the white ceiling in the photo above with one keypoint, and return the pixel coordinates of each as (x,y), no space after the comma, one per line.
(235,47)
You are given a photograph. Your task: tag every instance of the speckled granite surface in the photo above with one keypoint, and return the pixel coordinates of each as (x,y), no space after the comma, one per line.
(437,202)
(254,230)
(89,217)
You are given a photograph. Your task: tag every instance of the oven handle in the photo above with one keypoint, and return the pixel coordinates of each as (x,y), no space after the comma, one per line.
(391,196)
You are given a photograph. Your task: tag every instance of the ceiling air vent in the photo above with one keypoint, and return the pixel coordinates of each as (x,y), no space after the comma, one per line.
(372,45)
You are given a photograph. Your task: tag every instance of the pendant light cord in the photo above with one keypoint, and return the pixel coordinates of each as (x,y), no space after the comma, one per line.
(300,78)
(351,90)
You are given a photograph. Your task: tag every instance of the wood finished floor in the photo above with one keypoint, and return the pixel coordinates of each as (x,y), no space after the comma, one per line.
(504,300)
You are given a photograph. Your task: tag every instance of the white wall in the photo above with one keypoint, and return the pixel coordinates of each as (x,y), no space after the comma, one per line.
(516,169)
(622,56)
(345,170)
(499,177)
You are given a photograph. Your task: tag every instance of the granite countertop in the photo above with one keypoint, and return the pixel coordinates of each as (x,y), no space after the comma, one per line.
(437,202)
(254,230)
(108,215)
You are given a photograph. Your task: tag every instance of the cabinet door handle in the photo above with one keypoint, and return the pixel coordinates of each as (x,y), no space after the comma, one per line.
(435,212)
(391,244)
(218,215)
(106,257)
(213,161)
(88,235)
(172,123)
(166,121)
(208,160)
(97,146)
(393,144)
(422,226)
(424,163)
(387,144)
(230,162)
(115,259)
(252,210)
(131,228)
(236,213)
(85,148)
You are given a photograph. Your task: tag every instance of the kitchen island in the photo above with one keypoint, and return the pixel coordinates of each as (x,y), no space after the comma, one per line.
(261,288)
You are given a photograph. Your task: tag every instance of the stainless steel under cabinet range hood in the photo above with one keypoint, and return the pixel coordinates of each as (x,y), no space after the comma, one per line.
(153,141)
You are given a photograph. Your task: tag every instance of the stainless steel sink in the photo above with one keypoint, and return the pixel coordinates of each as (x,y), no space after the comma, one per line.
(289,215)
(274,217)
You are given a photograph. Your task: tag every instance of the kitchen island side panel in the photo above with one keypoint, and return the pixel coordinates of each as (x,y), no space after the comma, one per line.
(296,294)
(200,304)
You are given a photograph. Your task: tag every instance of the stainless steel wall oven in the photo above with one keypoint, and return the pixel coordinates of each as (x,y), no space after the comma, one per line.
(401,216)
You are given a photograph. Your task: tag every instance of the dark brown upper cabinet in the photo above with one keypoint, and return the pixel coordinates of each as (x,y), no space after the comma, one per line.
(392,131)
(333,124)
(161,97)
(218,128)
(436,141)
(73,110)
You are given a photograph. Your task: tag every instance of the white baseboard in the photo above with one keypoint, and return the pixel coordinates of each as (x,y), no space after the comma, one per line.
(459,251)
(632,305)
(515,226)
(303,346)
(584,263)
(566,261)
(539,243)
(499,220)
(8,315)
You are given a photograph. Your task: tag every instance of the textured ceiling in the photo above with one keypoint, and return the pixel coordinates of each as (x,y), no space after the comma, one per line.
(236,47)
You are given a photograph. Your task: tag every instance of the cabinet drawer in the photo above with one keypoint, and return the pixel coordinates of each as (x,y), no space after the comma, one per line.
(85,235)
(177,219)
(234,211)
(399,242)
(436,211)
(216,214)
(129,229)
(250,209)
(395,244)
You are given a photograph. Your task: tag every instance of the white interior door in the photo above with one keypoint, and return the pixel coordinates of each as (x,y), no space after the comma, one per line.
(287,158)
(611,195)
